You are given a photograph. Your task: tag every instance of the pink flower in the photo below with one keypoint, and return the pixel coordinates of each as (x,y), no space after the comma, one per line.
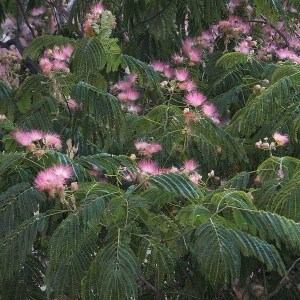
(129,95)
(123,85)
(131,78)
(59,55)
(52,139)
(59,65)
(98,9)
(181,74)
(134,108)
(67,50)
(194,55)
(52,180)
(188,86)
(36,135)
(195,98)
(209,110)
(72,104)
(243,47)
(37,11)
(147,149)
(153,148)
(224,24)
(140,145)
(195,178)
(45,65)
(190,166)
(284,53)
(22,137)
(177,58)
(280,139)
(63,171)
(187,45)
(158,66)
(168,72)
(148,167)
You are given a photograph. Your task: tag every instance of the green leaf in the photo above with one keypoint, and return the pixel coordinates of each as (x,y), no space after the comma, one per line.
(41,43)
(113,273)
(88,56)
(177,184)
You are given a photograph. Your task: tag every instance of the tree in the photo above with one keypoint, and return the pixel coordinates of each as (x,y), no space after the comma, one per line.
(142,162)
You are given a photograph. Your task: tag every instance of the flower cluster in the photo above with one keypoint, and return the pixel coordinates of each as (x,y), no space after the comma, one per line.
(53,180)
(36,139)
(151,168)
(147,149)
(10,65)
(98,19)
(56,59)
(179,79)
(127,94)
(280,140)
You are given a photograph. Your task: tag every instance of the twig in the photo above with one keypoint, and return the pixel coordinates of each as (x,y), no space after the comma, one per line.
(148,284)
(21,9)
(283,282)
(265,21)
(149,19)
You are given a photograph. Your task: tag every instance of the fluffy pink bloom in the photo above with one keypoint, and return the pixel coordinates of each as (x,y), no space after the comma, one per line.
(45,65)
(243,47)
(187,45)
(168,72)
(72,104)
(63,171)
(140,145)
(38,11)
(59,55)
(194,55)
(134,108)
(124,85)
(98,9)
(280,139)
(131,78)
(52,180)
(195,178)
(195,98)
(158,65)
(148,167)
(129,95)
(147,149)
(153,148)
(52,139)
(224,24)
(177,58)
(284,53)
(188,86)
(209,109)
(181,74)
(22,137)
(59,65)
(67,50)
(36,135)
(189,166)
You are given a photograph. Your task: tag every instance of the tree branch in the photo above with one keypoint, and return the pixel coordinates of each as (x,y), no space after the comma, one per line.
(149,19)
(283,282)
(265,21)
(21,9)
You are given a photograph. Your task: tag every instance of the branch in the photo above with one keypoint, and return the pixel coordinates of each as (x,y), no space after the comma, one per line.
(21,9)
(149,19)
(265,21)
(283,282)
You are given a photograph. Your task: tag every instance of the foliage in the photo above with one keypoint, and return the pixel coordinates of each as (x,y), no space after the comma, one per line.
(174,179)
